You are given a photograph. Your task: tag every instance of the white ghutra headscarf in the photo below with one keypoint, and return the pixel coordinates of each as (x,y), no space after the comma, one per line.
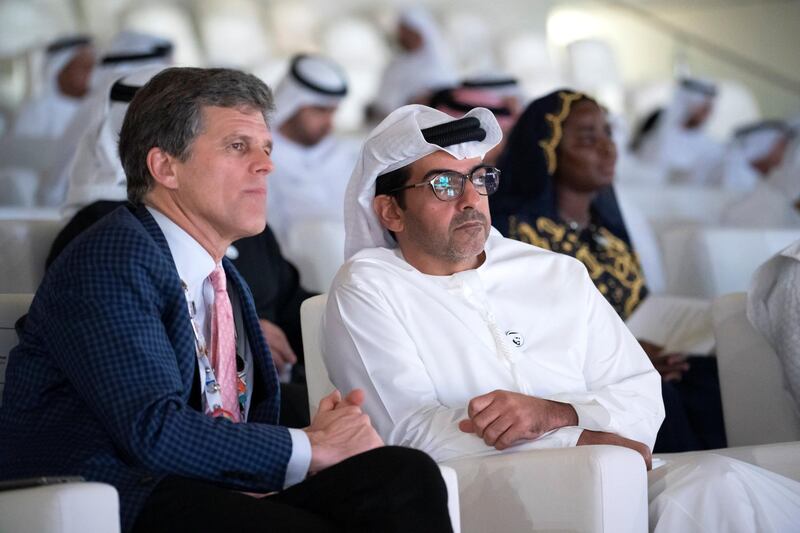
(96,172)
(312,80)
(396,142)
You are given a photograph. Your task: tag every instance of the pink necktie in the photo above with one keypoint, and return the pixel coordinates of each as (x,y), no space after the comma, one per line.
(223,346)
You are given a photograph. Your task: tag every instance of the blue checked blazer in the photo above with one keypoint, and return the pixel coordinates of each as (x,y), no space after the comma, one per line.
(103,382)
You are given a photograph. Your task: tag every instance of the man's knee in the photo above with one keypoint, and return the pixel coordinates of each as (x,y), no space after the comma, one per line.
(411,468)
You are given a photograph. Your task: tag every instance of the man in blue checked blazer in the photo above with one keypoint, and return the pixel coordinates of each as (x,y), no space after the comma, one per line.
(109,381)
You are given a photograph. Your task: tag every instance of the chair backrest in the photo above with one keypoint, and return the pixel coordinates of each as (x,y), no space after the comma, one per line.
(592,67)
(756,406)
(25,244)
(170,21)
(316,248)
(316,374)
(665,205)
(232,32)
(12,306)
(708,261)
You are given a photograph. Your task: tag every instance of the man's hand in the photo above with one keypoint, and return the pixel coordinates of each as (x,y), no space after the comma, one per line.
(279,346)
(503,418)
(671,366)
(600,437)
(340,430)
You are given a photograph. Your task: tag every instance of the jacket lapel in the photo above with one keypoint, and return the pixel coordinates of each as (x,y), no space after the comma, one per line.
(188,361)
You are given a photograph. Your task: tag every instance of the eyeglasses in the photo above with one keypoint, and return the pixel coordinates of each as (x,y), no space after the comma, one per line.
(448,185)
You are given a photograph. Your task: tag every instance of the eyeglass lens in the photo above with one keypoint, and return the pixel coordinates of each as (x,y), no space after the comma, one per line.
(450,185)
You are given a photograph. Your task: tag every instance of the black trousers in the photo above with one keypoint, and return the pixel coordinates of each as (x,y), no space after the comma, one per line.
(389,489)
(693,410)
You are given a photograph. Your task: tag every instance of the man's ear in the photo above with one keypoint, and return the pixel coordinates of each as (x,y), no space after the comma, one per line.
(389,213)
(162,168)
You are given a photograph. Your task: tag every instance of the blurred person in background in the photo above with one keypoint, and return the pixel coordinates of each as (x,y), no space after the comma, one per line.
(127,51)
(68,66)
(423,65)
(674,139)
(312,164)
(752,154)
(95,172)
(557,193)
(499,95)
(775,200)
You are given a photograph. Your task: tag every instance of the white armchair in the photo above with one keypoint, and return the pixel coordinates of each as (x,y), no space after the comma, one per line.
(708,261)
(75,507)
(588,489)
(756,406)
(26,236)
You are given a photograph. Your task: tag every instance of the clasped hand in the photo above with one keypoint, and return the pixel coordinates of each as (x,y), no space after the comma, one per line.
(503,418)
(340,430)
(671,366)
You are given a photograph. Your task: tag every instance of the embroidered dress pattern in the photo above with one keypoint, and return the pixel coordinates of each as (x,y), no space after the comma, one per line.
(612,265)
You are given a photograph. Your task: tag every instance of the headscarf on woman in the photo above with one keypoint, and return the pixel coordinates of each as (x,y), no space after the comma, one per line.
(525,207)
(530,161)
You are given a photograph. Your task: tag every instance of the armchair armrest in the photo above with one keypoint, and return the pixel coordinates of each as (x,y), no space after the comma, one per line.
(585,488)
(780,458)
(451,482)
(82,507)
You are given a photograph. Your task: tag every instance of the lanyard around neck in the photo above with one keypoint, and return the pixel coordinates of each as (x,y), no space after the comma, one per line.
(211,389)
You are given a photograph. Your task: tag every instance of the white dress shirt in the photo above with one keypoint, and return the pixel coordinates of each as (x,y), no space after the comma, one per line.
(527,320)
(194,265)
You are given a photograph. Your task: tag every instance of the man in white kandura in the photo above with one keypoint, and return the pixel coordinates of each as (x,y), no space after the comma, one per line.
(466,342)
(312,165)
(753,152)
(95,172)
(773,202)
(67,69)
(423,64)
(773,307)
(675,139)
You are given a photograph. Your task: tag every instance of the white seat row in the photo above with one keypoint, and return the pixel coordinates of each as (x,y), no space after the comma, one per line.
(26,236)
(709,261)
(677,231)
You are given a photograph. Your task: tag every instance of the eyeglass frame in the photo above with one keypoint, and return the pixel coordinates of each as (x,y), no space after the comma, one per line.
(464,178)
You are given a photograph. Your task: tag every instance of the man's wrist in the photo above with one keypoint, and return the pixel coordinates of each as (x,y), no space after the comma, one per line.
(564,415)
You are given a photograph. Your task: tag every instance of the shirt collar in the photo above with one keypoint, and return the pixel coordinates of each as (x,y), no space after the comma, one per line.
(193,262)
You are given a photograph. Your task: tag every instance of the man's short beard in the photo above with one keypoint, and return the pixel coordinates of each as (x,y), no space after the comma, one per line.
(454,255)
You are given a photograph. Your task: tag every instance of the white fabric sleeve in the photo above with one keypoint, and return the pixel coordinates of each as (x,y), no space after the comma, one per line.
(774,310)
(297,469)
(624,395)
(401,399)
